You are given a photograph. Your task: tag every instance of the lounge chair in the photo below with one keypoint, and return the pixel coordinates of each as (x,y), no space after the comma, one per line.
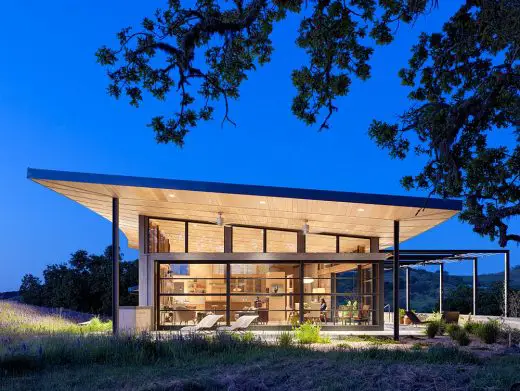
(448,317)
(241,324)
(415,319)
(206,324)
(451,317)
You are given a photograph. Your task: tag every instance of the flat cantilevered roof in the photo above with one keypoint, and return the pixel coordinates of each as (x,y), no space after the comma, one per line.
(335,212)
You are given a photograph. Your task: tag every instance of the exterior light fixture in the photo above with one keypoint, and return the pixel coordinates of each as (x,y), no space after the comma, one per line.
(220,220)
(262,202)
(305,228)
(171,195)
(361,210)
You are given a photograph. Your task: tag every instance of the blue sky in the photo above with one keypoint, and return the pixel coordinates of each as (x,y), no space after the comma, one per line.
(55,114)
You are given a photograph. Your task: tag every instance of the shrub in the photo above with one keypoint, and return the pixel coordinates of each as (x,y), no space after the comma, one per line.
(373,340)
(248,336)
(432,329)
(285,339)
(471,326)
(442,327)
(458,334)
(325,339)
(488,332)
(309,333)
(452,329)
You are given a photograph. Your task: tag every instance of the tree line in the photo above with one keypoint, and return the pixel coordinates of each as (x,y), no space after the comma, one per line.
(82,284)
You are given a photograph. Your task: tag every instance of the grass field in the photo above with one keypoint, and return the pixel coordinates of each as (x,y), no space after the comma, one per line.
(68,360)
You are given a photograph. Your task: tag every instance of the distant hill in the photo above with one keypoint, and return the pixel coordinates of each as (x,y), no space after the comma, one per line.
(425,286)
(9,295)
(487,279)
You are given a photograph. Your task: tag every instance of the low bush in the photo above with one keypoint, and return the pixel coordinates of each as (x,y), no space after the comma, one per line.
(471,326)
(248,336)
(309,333)
(458,334)
(432,328)
(373,340)
(489,331)
(452,329)
(285,339)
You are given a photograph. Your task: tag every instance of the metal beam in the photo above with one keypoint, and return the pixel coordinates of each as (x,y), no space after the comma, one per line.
(441,286)
(396,280)
(407,270)
(115,265)
(444,252)
(475,285)
(268,257)
(506,283)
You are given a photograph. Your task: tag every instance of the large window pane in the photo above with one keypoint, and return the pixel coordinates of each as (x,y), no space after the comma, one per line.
(165,236)
(354,245)
(205,238)
(344,294)
(281,241)
(248,240)
(187,293)
(268,291)
(320,243)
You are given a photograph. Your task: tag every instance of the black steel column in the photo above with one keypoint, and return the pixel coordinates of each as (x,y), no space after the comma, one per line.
(360,286)
(475,285)
(300,248)
(396,280)
(407,289)
(506,284)
(228,248)
(115,265)
(441,286)
(302,287)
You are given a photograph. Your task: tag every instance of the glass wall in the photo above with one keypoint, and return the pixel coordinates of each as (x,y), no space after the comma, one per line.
(188,292)
(344,294)
(269,291)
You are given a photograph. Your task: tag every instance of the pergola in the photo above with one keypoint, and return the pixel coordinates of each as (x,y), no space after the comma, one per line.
(407,259)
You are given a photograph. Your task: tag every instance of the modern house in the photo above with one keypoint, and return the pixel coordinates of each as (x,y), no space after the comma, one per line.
(287,255)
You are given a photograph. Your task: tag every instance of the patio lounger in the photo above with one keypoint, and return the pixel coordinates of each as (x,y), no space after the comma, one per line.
(415,319)
(447,316)
(450,317)
(206,324)
(241,324)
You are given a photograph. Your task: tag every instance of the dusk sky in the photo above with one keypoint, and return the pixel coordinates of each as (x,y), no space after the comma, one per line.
(55,114)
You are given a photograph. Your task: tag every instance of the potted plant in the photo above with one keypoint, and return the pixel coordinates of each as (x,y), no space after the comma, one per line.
(401,315)
(407,320)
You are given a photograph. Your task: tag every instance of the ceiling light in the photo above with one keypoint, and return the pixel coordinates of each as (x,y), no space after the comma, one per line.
(305,228)
(361,210)
(220,220)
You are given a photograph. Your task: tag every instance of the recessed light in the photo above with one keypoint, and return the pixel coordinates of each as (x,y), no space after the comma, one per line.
(262,202)
(361,210)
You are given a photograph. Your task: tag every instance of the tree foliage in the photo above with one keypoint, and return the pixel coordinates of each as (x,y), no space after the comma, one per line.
(466,82)
(464,79)
(84,284)
(204,53)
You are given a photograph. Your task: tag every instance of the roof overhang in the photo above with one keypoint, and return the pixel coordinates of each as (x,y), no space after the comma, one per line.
(334,212)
